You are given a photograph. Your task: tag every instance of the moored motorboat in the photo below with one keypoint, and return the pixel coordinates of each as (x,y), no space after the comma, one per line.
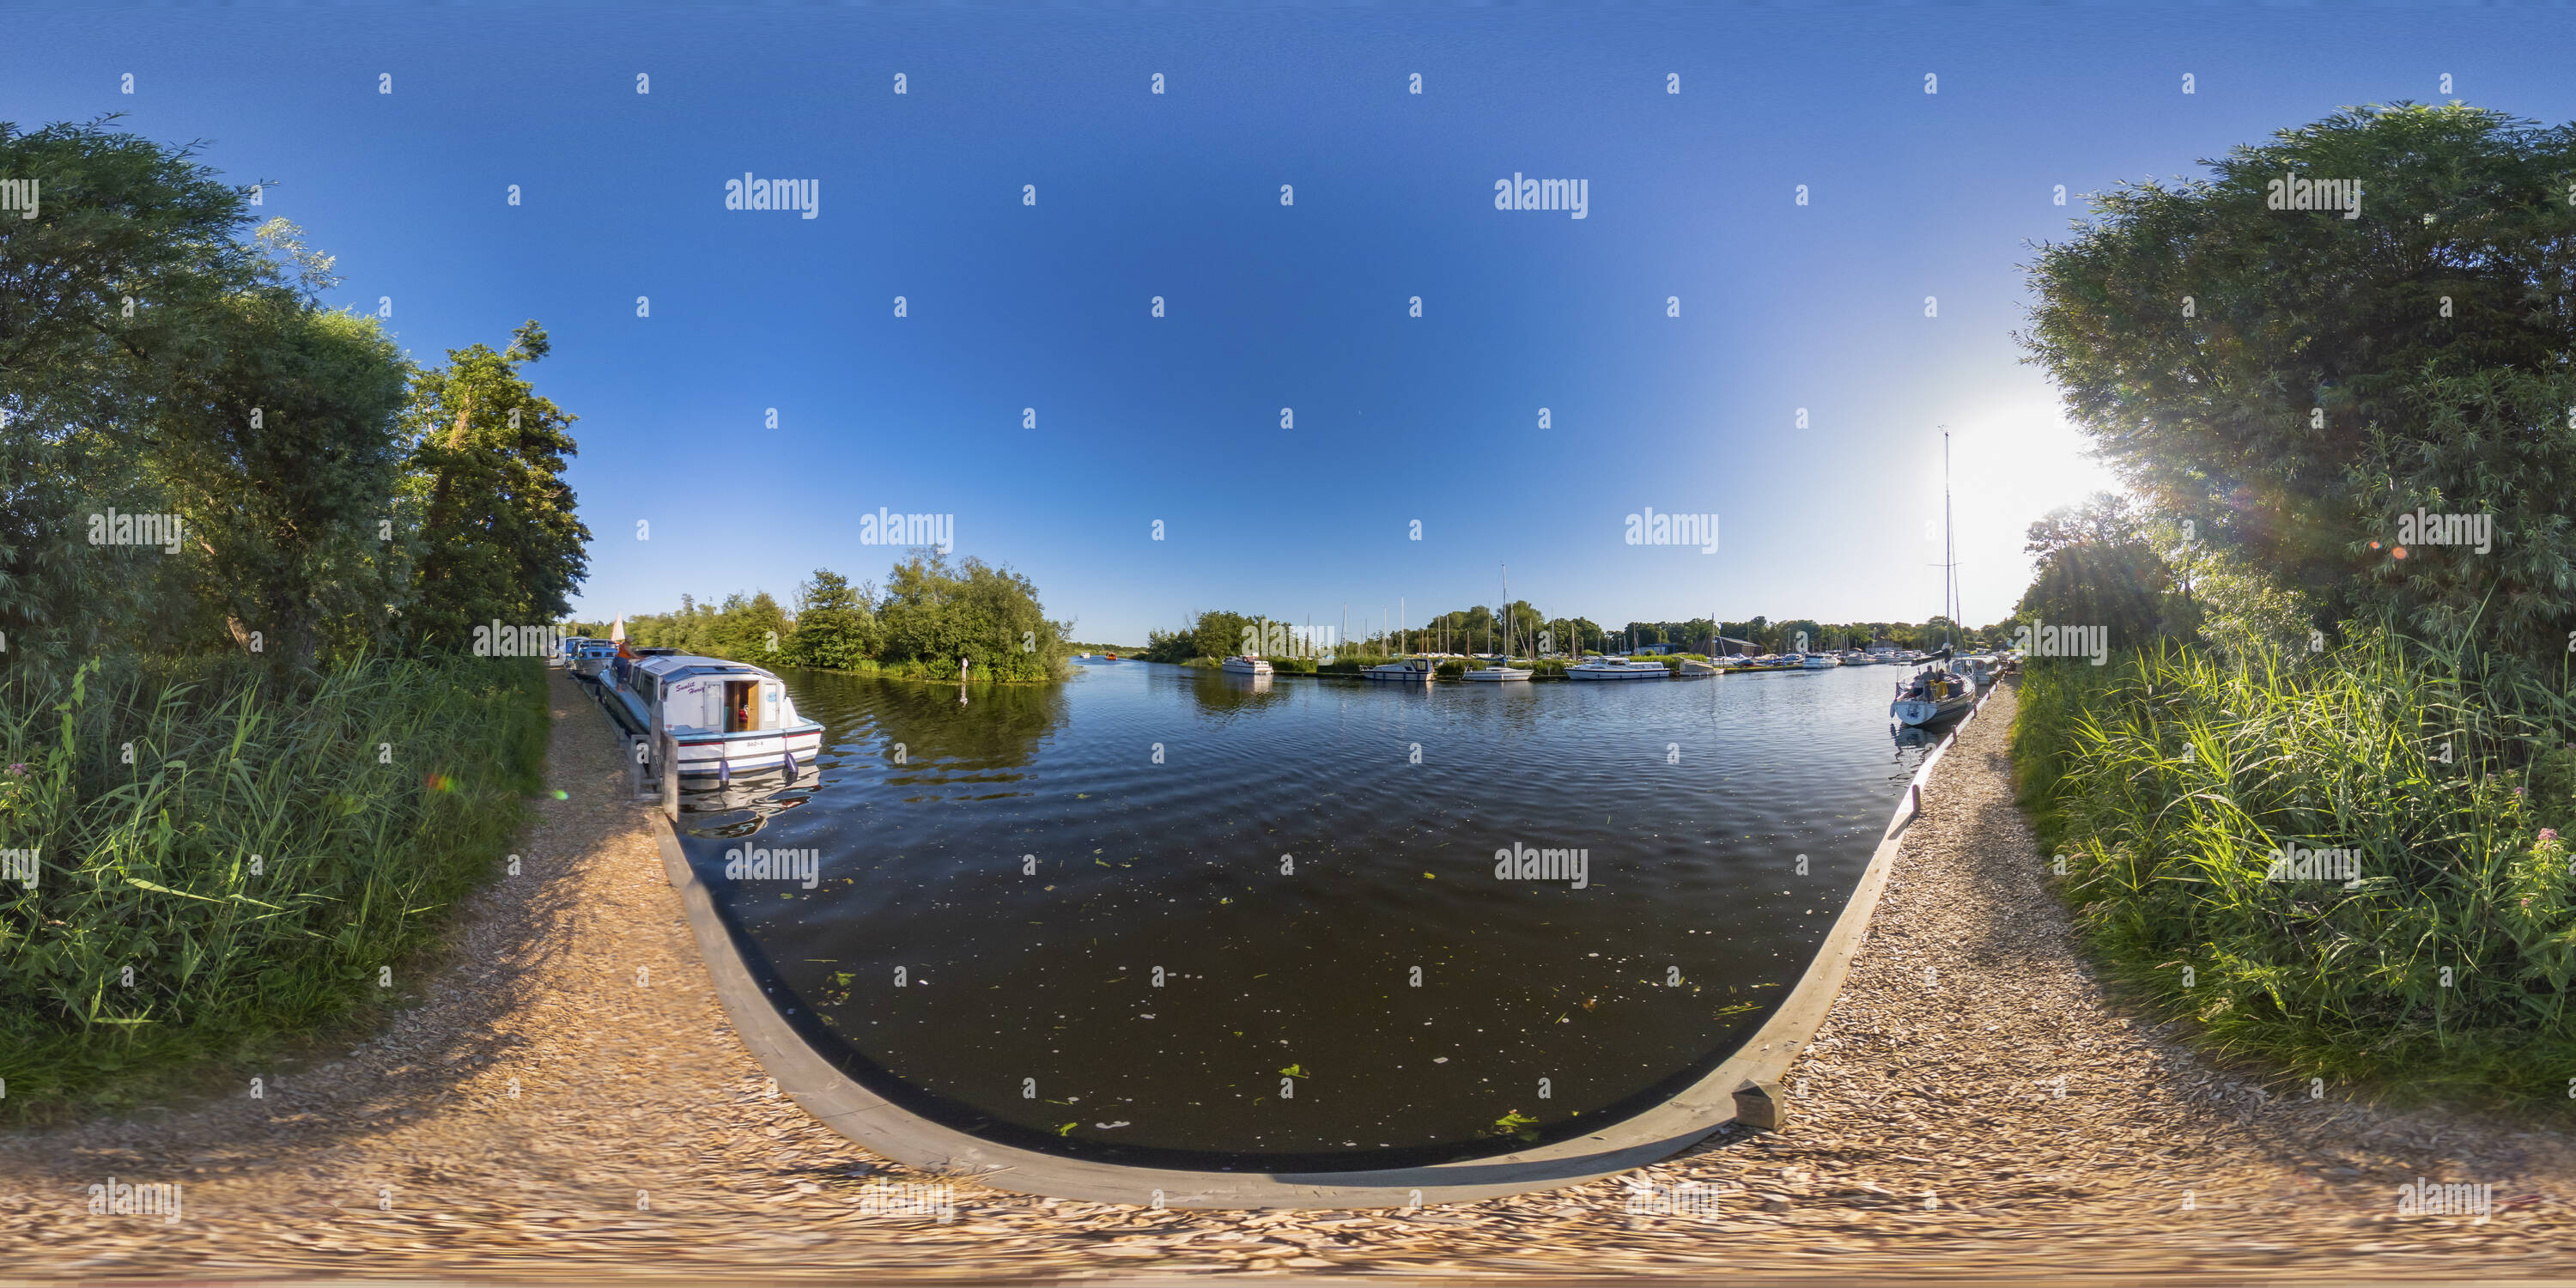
(1245,664)
(1410,670)
(1766,662)
(1819,661)
(1617,668)
(725,719)
(587,658)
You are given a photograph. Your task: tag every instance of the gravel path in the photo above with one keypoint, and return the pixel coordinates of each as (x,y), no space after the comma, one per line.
(1928,1137)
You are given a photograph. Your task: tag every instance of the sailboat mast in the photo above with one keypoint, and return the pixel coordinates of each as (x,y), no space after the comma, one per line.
(1949,545)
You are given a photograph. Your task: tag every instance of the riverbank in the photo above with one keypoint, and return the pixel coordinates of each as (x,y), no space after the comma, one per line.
(641,1143)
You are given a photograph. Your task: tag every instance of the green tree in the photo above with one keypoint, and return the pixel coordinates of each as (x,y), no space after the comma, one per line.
(499,535)
(2292,381)
(2096,567)
(835,623)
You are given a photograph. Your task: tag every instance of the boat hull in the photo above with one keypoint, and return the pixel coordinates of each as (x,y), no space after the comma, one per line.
(722,757)
(1498,674)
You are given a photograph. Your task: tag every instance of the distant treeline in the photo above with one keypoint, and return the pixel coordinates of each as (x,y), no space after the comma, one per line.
(932,614)
(1480,630)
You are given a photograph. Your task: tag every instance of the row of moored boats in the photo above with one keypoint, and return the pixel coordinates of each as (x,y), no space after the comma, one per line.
(1947,684)
(726,720)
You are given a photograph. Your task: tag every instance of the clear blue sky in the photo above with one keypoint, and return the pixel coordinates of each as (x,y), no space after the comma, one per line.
(1177,195)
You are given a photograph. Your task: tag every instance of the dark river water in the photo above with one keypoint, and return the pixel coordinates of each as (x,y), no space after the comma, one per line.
(1157,915)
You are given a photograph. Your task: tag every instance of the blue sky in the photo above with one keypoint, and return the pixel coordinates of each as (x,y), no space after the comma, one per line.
(1177,195)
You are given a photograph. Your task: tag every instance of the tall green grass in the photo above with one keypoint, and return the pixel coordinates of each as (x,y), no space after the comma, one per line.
(151,786)
(2167,780)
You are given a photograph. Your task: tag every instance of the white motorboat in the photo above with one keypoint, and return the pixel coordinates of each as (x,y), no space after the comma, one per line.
(1410,670)
(1819,662)
(727,718)
(587,658)
(1617,668)
(1501,672)
(1245,664)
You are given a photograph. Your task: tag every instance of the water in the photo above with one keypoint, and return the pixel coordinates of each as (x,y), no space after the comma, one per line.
(1309,868)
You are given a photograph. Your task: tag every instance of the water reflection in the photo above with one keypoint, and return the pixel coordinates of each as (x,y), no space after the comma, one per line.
(1225,693)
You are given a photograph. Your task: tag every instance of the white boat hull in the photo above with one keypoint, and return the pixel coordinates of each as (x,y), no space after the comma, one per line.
(1499,673)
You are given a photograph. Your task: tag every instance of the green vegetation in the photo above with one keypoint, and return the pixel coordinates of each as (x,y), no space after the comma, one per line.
(932,615)
(268,664)
(2172,780)
(2296,662)
(255,864)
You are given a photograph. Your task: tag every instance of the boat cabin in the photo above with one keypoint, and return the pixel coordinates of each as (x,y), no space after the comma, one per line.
(699,695)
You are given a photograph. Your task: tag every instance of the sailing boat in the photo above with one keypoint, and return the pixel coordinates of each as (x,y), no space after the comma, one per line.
(1500,670)
(1937,693)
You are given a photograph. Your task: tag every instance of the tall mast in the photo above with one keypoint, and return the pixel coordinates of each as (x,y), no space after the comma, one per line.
(1949,547)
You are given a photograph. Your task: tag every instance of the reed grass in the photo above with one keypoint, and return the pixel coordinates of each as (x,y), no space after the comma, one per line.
(372,795)
(2166,781)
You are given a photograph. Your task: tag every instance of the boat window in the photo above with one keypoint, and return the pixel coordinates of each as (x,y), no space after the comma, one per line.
(742,711)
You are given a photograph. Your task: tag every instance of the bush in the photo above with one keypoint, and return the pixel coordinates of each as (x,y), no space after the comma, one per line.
(2168,781)
(150,864)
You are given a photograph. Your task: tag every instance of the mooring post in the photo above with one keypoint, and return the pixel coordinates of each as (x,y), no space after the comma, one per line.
(670,776)
(1761,1105)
